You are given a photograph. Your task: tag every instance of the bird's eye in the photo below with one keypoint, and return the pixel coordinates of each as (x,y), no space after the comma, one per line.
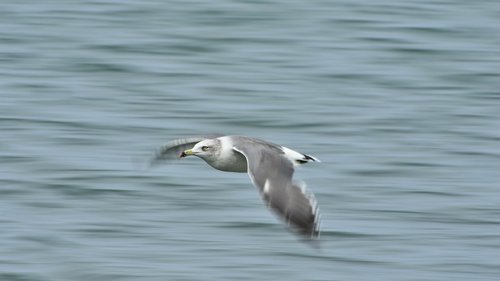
(204,148)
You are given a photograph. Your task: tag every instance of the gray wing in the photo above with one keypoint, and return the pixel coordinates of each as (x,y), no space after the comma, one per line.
(173,149)
(272,174)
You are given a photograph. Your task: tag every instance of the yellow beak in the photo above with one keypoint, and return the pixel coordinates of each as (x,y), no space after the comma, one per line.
(187,152)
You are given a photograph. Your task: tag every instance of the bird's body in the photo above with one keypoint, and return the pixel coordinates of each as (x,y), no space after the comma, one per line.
(270,167)
(228,160)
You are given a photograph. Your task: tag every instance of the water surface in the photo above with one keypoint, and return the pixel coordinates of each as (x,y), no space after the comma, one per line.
(399,100)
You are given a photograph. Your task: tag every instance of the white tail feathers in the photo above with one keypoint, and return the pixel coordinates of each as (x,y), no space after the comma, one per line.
(298,158)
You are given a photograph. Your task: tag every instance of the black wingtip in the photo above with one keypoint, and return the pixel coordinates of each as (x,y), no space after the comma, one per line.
(310,158)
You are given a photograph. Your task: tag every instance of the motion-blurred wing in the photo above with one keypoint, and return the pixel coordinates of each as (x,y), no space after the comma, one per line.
(173,149)
(272,174)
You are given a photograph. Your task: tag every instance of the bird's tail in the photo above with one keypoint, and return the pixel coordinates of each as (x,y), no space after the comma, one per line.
(298,158)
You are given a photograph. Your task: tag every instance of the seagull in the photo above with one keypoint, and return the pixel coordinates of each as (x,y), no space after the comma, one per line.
(270,167)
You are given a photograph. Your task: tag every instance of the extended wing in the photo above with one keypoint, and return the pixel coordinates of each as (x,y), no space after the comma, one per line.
(272,174)
(173,149)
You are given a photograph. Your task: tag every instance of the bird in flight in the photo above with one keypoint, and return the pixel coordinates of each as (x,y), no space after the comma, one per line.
(270,167)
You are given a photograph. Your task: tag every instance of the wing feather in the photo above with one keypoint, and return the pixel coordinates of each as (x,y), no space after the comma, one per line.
(272,173)
(172,149)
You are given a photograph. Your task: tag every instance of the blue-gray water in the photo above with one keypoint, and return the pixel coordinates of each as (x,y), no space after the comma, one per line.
(399,99)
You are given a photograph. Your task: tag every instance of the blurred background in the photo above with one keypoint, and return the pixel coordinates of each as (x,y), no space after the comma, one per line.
(399,99)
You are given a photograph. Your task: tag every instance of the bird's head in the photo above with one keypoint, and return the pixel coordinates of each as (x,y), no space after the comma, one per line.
(204,149)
